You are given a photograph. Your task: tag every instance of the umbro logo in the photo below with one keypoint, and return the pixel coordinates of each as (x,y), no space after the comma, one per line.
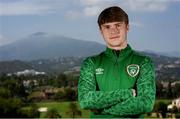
(99,71)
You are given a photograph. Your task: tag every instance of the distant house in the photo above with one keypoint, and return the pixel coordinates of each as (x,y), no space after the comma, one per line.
(49,91)
(174,83)
(165,84)
(75,71)
(175,102)
(26,83)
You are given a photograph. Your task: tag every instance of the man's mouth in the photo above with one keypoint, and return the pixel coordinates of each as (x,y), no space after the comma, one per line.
(114,37)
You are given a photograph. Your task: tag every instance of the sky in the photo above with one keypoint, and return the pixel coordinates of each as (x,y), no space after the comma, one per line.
(154,24)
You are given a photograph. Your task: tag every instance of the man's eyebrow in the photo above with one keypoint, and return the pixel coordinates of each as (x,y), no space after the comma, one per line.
(105,25)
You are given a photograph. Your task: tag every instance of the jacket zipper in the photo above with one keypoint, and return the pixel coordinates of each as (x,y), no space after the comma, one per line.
(117,67)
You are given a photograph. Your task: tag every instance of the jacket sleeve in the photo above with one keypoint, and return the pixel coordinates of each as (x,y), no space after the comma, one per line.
(145,99)
(89,98)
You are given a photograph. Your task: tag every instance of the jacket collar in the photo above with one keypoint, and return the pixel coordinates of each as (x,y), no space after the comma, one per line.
(122,53)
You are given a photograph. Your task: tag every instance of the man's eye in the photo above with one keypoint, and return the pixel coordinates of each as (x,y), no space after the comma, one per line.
(118,25)
(107,27)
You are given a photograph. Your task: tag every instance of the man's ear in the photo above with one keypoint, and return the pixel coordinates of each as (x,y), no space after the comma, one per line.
(100,29)
(127,27)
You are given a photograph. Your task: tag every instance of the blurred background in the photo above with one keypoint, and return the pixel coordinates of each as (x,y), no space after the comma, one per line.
(43,42)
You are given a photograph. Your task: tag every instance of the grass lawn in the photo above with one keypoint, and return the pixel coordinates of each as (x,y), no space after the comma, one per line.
(167,101)
(62,108)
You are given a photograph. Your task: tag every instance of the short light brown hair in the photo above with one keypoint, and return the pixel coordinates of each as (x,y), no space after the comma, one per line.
(113,14)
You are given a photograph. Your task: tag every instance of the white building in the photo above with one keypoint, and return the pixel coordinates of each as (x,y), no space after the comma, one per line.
(175,102)
(29,72)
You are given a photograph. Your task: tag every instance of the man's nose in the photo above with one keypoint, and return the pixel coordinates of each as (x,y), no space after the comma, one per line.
(114,30)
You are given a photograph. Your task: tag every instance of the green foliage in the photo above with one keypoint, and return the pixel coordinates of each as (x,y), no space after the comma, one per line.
(70,94)
(178,115)
(13,108)
(174,109)
(15,87)
(31,112)
(161,107)
(73,110)
(176,90)
(167,92)
(10,106)
(60,95)
(12,98)
(159,89)
(36,96)
(5,93)
(52,113)
(63,108)
(61,80)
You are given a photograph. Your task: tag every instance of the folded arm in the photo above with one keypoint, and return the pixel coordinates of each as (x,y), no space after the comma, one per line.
(145,99)
(89,98)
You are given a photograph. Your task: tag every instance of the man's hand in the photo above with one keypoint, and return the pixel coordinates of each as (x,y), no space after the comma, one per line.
(94,110)
(97,111)
(134,92)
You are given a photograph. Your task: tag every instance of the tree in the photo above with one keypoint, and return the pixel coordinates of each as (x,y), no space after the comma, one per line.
(52,113)
(9,107)
(159,91)
(169,91)
(162,108)
(173,110)
(4,93)
(59,95)
(31,112)
(73,110)
(70,94)
(15,87)
(176,90)
(62,80)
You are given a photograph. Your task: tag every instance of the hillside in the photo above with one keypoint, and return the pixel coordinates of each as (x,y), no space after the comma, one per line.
(45,46)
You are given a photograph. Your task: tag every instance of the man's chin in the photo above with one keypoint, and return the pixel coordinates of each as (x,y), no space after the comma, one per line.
(115,44)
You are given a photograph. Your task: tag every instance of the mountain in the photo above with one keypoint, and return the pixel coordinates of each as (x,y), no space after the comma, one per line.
(13,66)
(54,54)
(168,54)
(41,45)
(167,68)
(172,54)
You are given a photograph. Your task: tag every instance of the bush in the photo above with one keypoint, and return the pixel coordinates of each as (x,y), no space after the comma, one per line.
(53,113)
(31,112)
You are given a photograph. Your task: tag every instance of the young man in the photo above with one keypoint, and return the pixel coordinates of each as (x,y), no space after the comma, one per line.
(119,82)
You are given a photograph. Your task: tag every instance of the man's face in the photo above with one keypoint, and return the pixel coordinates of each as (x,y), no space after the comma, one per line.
(114,33)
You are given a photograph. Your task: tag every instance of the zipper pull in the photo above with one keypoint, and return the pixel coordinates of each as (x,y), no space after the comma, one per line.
(115,56)
(116,62)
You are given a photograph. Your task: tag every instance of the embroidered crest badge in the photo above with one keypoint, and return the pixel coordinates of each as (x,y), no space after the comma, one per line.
(133,70)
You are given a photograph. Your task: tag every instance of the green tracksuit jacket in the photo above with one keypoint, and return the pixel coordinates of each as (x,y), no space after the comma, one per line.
(106,81)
